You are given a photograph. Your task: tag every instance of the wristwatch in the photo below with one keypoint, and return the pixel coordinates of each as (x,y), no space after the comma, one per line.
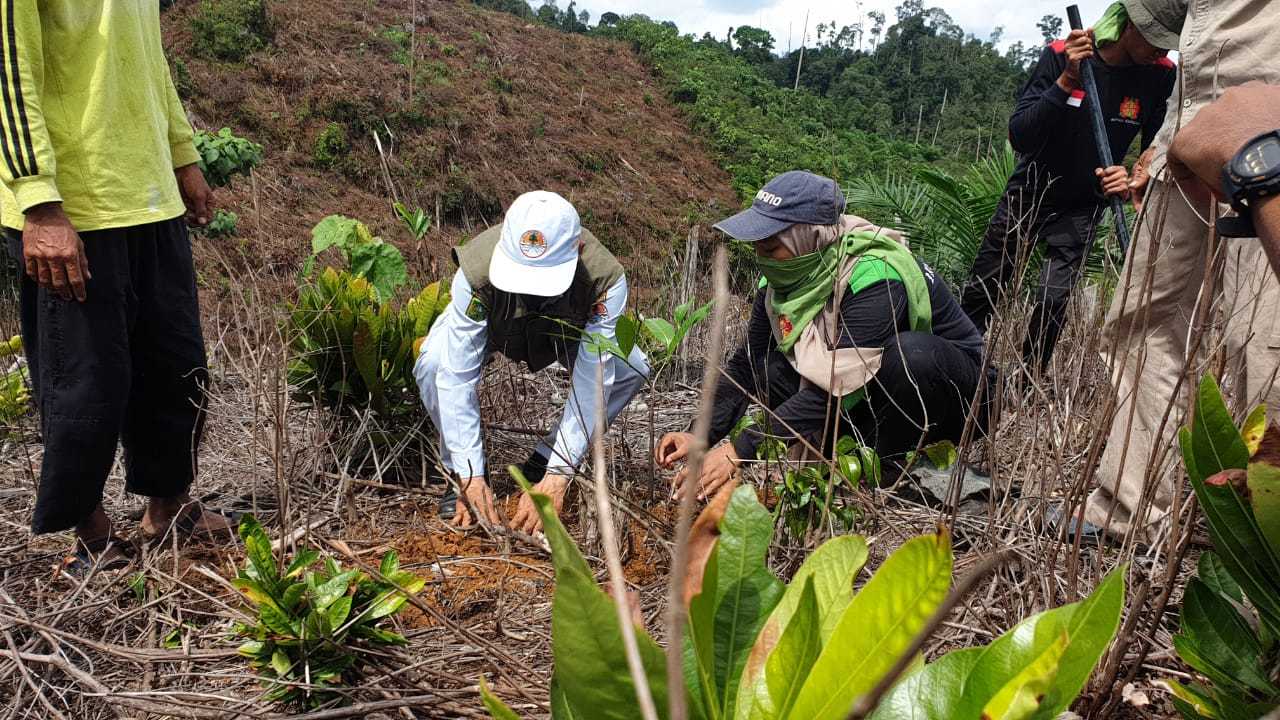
(1253,174)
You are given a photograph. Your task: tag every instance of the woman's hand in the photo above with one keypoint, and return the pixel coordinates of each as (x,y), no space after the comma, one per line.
(672,447)
(527,519)
(720,467)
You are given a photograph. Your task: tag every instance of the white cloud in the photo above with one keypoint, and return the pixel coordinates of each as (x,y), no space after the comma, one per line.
(785,18)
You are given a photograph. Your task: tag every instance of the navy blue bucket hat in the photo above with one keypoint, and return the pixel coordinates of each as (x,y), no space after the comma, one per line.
(790,198)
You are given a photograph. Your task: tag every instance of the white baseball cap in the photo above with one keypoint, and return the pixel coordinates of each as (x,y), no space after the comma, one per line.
(538,252)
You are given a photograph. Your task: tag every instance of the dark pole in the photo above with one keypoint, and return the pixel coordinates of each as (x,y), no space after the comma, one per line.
(1099,124)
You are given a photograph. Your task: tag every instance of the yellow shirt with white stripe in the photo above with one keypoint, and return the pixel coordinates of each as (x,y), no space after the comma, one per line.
(90,115)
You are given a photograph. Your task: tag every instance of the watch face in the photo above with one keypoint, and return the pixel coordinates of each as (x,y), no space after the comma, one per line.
(1258,161)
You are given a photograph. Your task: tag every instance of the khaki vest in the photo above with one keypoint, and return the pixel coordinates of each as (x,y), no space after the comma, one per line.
(541,335)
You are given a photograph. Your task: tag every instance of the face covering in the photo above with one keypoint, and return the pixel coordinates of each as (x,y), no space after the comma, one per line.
(800,287)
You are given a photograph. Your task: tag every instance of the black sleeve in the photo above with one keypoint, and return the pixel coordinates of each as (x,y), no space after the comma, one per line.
(871,318)
(742,370)
(1041,105)
(1156,120)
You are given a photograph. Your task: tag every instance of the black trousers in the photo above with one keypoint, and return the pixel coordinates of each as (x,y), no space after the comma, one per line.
(127,366)
(1067,237)
(922,392)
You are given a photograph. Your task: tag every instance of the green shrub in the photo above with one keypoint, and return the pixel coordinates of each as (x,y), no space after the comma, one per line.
(353,352)
(230,30)
(330,146)
(815,645)
(314,628)
(1234,645)
(224,155)
(401,42)
(353,349)
(223,225)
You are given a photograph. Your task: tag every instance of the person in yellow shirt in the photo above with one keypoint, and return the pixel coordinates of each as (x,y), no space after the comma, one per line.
(98,169)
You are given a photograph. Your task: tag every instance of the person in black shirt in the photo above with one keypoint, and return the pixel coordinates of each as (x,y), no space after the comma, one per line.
(849,334)
(1058,191)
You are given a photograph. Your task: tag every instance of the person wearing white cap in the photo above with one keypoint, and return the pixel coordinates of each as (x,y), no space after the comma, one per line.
(529,289)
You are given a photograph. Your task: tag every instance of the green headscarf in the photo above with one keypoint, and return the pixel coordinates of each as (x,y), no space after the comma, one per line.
(1109,27)
(801,286)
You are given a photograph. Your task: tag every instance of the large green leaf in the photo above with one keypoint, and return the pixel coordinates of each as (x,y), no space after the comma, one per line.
(333,231)
(961,687)
(560,709)
(877,627)
(1222,640)
(1217,443)
(1214,574)
(738,593)
(662,331)
(1236,536)
(1264,488)
(382,264)
(790,662)
(332,589)
(1021,696)
(586,641)
(831,569)
(932,692)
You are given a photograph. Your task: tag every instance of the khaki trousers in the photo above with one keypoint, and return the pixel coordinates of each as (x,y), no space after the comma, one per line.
(1182,308)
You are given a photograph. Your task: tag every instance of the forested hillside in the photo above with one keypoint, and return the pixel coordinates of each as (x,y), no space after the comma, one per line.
(860,99)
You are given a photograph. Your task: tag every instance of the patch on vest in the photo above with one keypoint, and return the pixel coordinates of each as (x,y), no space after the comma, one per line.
(599,311)
(533,244)
(476,309)
(784,324)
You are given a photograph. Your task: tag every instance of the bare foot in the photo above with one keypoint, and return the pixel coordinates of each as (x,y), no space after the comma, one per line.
(188,516)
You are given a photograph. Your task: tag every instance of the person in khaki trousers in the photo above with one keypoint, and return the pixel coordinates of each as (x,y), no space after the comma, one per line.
(1186,300)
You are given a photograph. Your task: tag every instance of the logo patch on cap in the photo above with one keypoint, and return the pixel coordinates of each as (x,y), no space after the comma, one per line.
(533,244)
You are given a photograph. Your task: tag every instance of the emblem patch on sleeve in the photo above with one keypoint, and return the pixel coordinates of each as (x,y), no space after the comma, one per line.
(476,309)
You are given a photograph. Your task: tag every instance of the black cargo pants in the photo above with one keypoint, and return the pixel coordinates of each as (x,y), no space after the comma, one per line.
(1067,237)
(127,366)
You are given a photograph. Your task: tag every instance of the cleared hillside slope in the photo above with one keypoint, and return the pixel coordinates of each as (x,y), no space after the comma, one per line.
(471,107)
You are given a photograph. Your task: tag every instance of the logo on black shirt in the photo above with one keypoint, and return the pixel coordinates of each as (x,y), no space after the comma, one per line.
(1130,108)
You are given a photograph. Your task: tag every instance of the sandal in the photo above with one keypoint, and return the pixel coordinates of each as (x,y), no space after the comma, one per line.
(109,553)
(187,525)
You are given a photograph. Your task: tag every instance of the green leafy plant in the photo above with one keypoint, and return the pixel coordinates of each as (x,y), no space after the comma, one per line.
(809,494)
(221,225)
(756,648)
(230,30)
(366,256)
(314,628)
(663,337)
(1236,477)
(15,398)
(223,155)
(417,221)
(331,146)
(353,351)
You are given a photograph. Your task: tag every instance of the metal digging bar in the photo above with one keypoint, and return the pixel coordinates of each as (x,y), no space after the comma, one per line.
(1100,139)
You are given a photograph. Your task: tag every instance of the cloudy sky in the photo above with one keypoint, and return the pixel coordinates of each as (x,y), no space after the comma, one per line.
(980,17)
